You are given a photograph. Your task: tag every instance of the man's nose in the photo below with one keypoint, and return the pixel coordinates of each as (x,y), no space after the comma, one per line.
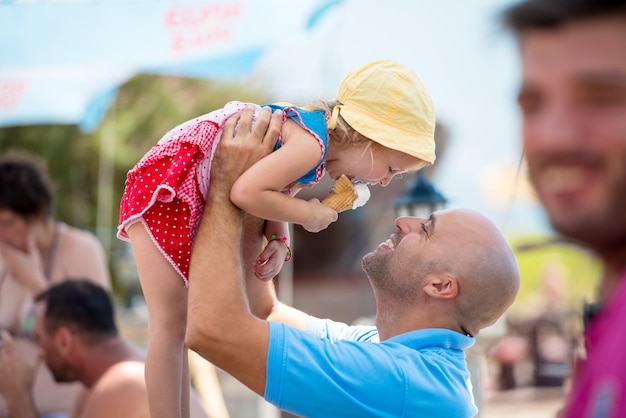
(407,224)
(558,127)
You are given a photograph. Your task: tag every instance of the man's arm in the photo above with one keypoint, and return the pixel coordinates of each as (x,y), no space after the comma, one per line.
(16,379)
(261,294)
(220,325)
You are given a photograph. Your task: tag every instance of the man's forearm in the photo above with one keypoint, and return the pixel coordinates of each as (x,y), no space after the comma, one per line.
(220,326)
(262,297)
(21,405)
(215,287)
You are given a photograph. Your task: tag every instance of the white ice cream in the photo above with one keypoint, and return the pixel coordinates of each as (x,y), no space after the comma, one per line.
(363,195)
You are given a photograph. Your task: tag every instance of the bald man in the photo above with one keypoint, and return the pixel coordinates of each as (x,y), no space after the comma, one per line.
(437,282)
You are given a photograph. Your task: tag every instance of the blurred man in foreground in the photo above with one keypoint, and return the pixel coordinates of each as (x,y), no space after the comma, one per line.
(573,103)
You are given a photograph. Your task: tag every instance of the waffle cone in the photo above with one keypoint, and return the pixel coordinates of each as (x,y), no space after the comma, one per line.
(343,195)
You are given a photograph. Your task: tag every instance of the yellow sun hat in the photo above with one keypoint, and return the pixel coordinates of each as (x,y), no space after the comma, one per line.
(388,103)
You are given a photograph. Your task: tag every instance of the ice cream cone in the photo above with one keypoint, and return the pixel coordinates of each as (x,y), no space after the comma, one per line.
(344,195)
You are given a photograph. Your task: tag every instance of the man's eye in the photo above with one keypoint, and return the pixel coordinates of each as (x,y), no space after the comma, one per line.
(528,103)
(604,98)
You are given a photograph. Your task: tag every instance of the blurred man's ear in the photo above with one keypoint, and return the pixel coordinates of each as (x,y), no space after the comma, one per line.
(64,340)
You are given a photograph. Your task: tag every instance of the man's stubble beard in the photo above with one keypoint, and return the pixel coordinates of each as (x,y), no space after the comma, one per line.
(601,232)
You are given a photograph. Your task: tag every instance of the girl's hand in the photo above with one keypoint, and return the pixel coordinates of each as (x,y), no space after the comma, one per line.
(322,217)
(270,261)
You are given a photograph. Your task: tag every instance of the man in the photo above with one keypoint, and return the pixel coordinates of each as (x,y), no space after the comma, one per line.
(437,282)
(79,341)
(573,103)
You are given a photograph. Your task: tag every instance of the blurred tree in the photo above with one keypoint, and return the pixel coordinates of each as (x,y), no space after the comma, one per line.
(145,108)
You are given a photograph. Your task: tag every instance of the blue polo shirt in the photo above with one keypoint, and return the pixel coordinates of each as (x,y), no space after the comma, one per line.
(336,370)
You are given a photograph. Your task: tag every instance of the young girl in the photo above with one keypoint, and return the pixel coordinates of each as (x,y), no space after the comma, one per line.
(381,124)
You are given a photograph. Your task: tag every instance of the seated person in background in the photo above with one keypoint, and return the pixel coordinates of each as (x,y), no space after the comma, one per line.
(79,341)
(437,283)
(36,251)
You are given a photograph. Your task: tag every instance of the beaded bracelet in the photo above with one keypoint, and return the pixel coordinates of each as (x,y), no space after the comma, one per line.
(283,239)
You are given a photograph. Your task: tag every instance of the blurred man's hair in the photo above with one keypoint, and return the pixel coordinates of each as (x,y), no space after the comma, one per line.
(550,14)
(80,305)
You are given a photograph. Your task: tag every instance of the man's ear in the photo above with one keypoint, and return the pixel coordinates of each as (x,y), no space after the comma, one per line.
(64,340)
(441,286)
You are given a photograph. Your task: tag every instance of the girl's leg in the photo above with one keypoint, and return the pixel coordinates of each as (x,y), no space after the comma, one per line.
(166,299)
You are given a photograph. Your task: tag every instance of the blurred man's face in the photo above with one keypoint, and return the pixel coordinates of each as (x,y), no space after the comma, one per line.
(49,349)
(573,103)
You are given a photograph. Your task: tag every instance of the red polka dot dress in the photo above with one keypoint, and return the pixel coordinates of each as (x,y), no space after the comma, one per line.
(167,188)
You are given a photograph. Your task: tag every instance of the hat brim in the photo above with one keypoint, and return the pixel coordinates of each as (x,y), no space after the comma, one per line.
(417,144)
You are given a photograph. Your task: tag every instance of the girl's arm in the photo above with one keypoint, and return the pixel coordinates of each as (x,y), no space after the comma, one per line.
(276,252)
(279,231)
(276,229)
(259,190)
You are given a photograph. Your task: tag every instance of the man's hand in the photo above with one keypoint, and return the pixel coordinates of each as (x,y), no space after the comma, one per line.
(238,151)
(16,380)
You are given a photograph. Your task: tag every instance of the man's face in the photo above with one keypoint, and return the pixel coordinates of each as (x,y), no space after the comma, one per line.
(420,246)
(573,103)
(49,350)
(394,264)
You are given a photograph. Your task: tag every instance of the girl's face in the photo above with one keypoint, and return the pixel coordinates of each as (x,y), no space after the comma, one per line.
(371,162)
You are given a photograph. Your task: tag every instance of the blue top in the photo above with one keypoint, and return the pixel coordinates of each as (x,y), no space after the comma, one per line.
(314,122)
(336,370)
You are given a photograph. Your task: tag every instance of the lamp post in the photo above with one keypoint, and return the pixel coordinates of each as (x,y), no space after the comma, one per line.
(420,199)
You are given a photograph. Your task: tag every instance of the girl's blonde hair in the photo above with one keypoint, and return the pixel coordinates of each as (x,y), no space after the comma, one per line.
(343,135)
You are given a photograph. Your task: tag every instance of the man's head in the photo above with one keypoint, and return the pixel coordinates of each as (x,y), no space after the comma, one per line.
(25,196)
(573,103)
(70,316)
(457,261)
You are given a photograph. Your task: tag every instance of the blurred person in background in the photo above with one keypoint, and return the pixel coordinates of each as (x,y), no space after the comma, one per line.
(79,341)
(36,251)
(573,103)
